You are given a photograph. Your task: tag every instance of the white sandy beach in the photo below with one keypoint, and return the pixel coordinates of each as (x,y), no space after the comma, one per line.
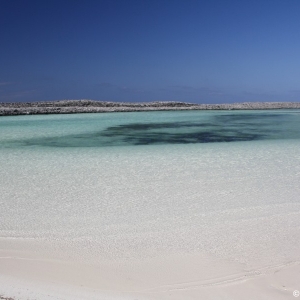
(220,221)
(171,277)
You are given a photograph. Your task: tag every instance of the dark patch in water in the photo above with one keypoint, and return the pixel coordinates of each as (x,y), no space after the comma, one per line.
(187,138)
(112,131)
(222,128)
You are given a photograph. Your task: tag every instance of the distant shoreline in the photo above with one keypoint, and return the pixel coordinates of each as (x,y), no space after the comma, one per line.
(92,106)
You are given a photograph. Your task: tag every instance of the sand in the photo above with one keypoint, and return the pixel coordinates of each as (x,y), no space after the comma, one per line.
(172,277)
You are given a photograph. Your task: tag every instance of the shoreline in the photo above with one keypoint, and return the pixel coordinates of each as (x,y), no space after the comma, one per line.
(92,106)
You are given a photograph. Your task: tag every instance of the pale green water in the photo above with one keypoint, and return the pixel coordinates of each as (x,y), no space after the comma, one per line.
(148,128)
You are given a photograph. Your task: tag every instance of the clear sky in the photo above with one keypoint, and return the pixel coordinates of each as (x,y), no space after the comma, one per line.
(211,51)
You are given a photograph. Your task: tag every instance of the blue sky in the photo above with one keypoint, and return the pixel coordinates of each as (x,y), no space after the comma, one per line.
(212,51)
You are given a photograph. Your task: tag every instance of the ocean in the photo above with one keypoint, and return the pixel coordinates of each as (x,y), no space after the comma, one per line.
(100,188)
(148,128)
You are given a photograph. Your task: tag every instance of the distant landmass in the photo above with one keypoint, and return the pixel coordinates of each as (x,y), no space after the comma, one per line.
(92,106)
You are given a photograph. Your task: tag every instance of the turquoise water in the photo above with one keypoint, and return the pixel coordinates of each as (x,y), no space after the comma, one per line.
(148,128)
(115,188)
(135,185)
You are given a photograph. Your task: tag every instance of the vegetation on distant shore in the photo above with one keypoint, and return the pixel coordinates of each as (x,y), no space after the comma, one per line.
(92,106)
(5,298)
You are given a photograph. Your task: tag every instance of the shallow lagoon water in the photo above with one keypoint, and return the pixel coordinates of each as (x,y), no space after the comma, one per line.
(135,186)
(148,128)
